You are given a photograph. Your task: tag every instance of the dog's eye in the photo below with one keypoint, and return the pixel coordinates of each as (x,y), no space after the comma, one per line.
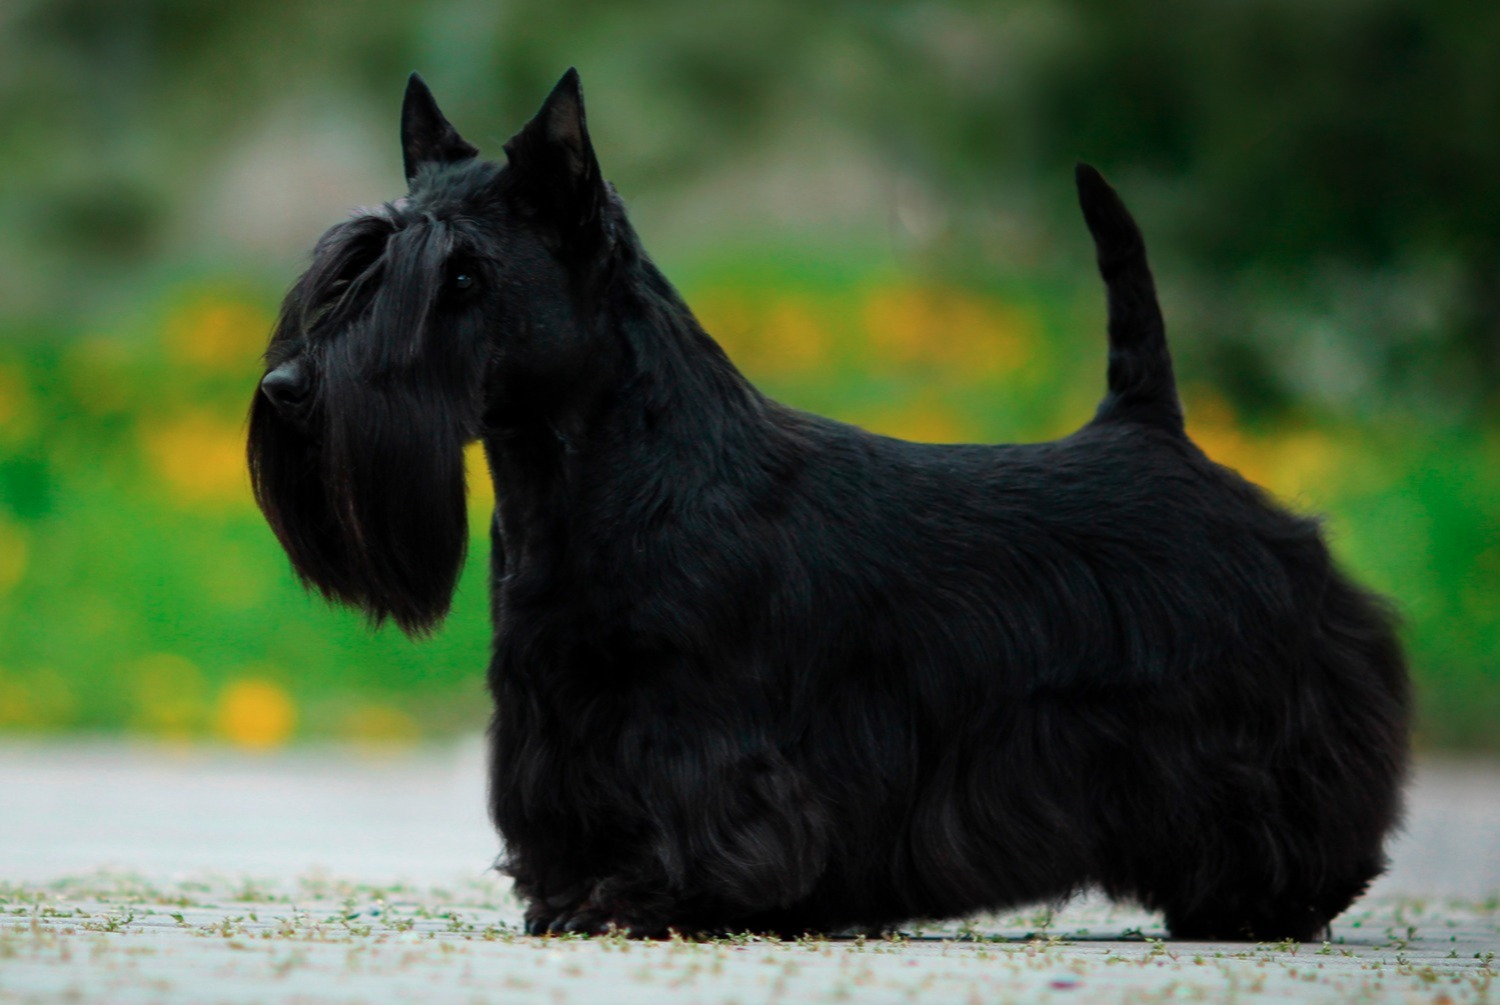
(463,280)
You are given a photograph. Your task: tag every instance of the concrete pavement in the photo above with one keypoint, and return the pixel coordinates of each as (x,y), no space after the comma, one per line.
(151,874)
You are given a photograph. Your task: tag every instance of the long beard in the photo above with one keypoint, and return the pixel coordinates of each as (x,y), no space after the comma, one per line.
(369,499)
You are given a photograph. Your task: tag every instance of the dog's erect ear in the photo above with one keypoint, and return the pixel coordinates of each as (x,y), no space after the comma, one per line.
(426,136)
(553,160)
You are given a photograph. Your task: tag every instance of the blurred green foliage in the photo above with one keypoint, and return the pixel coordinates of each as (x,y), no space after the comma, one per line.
(1323,179)
(868,203)
(141,591)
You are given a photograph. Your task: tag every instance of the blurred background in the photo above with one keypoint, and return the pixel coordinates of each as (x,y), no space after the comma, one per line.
(869,204)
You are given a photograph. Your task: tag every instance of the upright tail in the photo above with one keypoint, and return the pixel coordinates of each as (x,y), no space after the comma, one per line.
(1141,385)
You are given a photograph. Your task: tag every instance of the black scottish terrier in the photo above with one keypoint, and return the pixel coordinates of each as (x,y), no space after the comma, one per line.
(758,670)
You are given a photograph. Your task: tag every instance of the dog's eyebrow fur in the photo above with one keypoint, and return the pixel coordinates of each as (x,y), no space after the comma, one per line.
(386,271)
(345,255)
(415,266)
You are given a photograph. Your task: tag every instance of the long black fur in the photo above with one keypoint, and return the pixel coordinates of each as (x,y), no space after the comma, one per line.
(757,669)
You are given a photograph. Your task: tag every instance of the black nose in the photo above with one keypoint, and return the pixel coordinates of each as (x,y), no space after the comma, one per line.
(285,387)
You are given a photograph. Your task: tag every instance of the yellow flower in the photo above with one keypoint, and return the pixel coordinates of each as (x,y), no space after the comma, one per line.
(785,336)
(1304,464)
(1295,464)
(792,339)
(14,553)
(1212,424)
(477,474)
(200,457)
(926,420)
(968,335)
(41,698)
(15,702)
(730,319)
(17,409)
(170,695)
(215,332)
(254,712)
(380,726)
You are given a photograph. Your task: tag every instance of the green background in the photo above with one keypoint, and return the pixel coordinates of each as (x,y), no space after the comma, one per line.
(869,204)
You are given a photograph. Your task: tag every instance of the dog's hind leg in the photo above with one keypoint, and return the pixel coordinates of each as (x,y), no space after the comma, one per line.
(1258,851)
(1251,912)
(1268,851)
(1281,852)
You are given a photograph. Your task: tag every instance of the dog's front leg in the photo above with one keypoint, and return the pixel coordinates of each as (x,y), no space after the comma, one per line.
(546,913)
(730,838)
(637,906)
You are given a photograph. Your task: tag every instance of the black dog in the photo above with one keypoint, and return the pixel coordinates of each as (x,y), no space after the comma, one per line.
(756,669)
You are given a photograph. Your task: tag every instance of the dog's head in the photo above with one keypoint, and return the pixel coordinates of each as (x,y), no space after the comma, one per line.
(460,307)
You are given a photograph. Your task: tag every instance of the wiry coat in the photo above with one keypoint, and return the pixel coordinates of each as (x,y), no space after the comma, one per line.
(755,668)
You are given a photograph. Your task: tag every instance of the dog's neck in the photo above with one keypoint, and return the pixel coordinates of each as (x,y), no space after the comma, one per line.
(672,414)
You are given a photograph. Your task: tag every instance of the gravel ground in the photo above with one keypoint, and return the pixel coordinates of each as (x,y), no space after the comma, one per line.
(148,874)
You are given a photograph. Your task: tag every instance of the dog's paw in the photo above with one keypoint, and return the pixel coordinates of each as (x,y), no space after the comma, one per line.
(539,919)
(590,920)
